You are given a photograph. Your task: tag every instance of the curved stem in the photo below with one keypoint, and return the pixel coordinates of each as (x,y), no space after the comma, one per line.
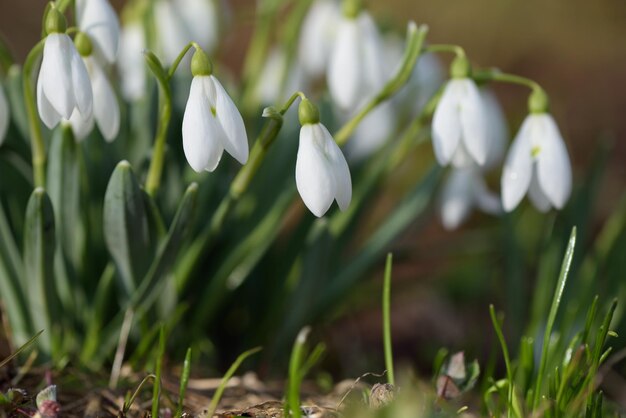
(498,76)
(455,49)
(179,58)
(38,148)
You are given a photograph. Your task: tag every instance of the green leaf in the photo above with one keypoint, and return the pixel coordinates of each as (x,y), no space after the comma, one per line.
(39,246)
(126,227)
(15,96)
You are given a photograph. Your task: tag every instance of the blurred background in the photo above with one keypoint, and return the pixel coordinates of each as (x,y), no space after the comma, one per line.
(443,281)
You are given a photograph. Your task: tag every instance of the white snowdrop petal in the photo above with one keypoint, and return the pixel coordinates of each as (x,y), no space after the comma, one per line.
(106,109)
(446,125)
(345,72)
(172,35)
(5,116)
(236,139)
(81,126)
(47,113)
(98,19)
(81,84)
(201,20)
(56,73)
(375,72)
(485,199)
(314,179)
(554,169)
(202,134)
(338,166)
(317,36)
(536,195)
(518,166)
(269,82)
(371,133)
(497,128)
(474,132)
(456,199)
(131,62)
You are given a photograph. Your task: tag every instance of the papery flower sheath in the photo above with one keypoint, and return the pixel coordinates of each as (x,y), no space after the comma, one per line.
(316,39)
(322,173)
(211,123)
(98,19)
(538,164)
(5,115)
(63,83)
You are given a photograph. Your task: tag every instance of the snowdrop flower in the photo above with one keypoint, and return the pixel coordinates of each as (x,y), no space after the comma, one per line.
(459,122)
(372,133)
(356,70)
(98,19)
(318,33)
(273,83)
(63,83)
(131,64)
(106,111)
(322,173)
(5,116)
(537,162)
(465,189)
(211,123)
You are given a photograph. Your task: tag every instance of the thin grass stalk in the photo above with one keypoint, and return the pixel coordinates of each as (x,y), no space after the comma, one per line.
(292,404)
(156,391)
(387,320)
(507,360)
(184,381)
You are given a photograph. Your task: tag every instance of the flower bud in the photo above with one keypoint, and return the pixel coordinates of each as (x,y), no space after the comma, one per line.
(83,44)
(352,8)
(308,113)
(538,101)
(55,21)
(201,64)
(460,68)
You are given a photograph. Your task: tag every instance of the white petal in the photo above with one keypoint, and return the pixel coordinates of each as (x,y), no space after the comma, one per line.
(270,81)
(56,73)
(518,167)
(106,109)
(318,32)
(236,139)
(201,20)
(456,198)
(345,72)
(536,195)
(98,19)
(554,169)
(473,125)
(202,133)
(371,133)
(81,126)
(172,33)
(47,113)
(338,166)
(314,177)
(446,125)
(497,128)
(80,83)
(5,116)
(131,62)
(375,72)
(485,199)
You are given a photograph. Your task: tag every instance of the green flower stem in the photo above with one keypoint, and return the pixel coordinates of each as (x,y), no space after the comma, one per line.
(179,58)
(415,40)
(455,49)
(6,59)
(387,320)
(62,5)
(498,76)
(38,148)
(153,181)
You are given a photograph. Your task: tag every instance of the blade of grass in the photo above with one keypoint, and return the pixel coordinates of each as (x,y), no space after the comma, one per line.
(184,380)
(156,392)
(387,320)
(229,373)
(129,401)
(507,360)
(19,350)
(292,404)
(567,261)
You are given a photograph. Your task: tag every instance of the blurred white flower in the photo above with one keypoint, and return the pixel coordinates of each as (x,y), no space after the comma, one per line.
(497,128)
(317,37)
(322,173)
(131,63)
(212,123)
(464,190)
(106,111)
(98,19)
(63,83)
(373,131)
(459,124)
(270,88)
(356,69)
(5,115)
(537,163)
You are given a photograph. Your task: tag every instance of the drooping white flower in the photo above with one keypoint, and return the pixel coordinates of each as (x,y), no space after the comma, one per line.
(106,111)
(537,163)
(356,70)
(317,37)
(464,190)
(322,173)
(211,123)
(63,83)
(98,19)
(373,131)
(459,123)
(131,63)
(497,128)
(273,83)
(5,115)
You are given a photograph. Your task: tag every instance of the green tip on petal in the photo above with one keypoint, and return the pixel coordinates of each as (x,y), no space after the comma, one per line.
(55,21)
(538,101)
(83,44)
(201,64)
(308,113)
(460,67)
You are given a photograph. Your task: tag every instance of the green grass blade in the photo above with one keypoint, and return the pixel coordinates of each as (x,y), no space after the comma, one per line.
(292,404)
(19,350)
(156,391)
(558,293)
(387,320)
(184,381)
(507,361)
(229,373)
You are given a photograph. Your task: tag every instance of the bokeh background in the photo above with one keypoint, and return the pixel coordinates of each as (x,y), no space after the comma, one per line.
(576,49)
